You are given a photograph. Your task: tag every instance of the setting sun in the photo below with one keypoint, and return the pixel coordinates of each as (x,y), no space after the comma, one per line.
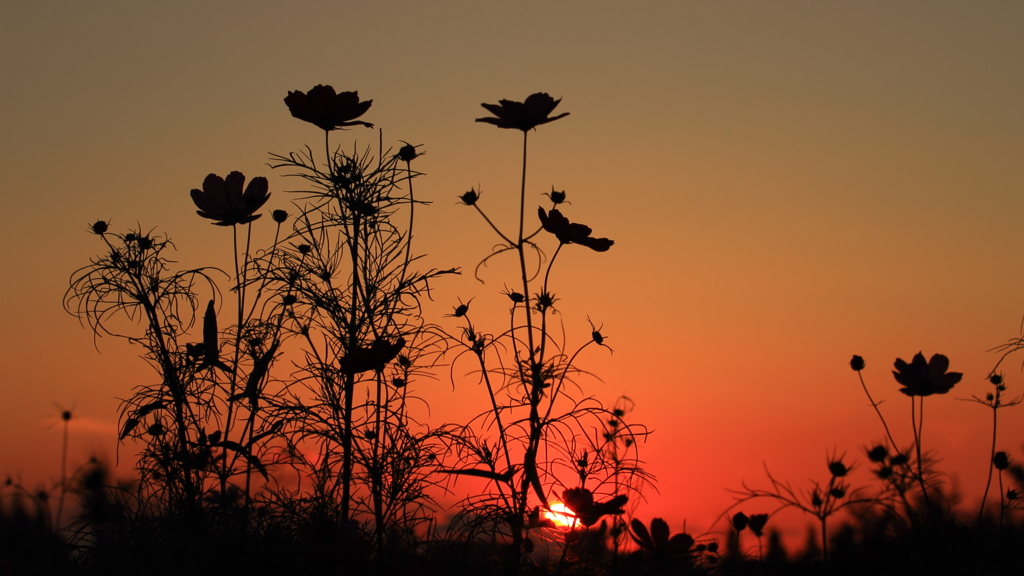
(560,515)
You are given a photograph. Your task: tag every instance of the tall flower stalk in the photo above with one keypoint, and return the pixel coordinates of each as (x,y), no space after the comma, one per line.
(347,291)
(540,425)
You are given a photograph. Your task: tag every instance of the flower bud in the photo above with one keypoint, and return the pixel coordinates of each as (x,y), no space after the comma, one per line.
(838,492)
(739,521)
(757,522)
(289,299)
(279,216)
(469,198)
(857,363)
(878,453)
(1001,461)
(304,248)
(99,227)
(557,197)
(838,469)
(407,153)
(996,379)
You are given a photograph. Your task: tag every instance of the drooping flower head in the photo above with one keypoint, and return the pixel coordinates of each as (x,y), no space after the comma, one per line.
(222,199)
(920,378)
(581,502)
(523,115)
(326,109)
(571,232)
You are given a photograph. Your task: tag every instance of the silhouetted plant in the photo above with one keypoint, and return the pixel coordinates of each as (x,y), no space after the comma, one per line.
(994,400)
(133,281)
(344,288)
(540,426)
(820,501)
(919,378)
(338,282)
(667,552)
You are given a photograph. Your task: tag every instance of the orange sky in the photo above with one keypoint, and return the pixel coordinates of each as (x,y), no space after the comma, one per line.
(787,185)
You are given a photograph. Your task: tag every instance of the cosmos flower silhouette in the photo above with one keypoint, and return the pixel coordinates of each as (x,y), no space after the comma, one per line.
(920,378)
(581,502)
(523,115)
(326,109)
(571,232)
(222,199)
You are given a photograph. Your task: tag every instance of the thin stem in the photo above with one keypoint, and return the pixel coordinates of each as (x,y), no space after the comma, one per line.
(877,411)
(63,477)
(493,227)
(412,209)
(918,425)
(991,461)
(1002,500)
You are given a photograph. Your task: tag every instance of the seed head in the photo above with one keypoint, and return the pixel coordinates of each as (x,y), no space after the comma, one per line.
(857,363)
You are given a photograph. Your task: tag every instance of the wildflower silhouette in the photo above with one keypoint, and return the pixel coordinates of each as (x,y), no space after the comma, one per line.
(657,540)
(581,502)
(995,401)
(223,201)
(523,115)
(920,378)
(571,232)
(326,109)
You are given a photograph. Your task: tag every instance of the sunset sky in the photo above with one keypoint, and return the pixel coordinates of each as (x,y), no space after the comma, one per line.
(787,184)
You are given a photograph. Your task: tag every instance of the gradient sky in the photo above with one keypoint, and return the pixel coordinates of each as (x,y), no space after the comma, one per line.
(787,184)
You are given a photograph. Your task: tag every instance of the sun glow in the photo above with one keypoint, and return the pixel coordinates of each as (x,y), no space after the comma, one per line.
(560,515)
